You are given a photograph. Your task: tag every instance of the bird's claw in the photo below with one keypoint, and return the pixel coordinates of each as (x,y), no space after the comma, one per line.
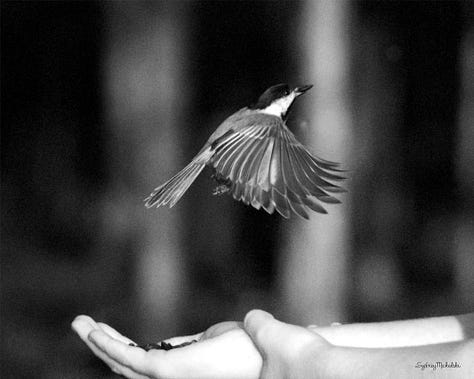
(221,189)
(223,184)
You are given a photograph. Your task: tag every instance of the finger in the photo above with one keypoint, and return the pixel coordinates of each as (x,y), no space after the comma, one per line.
(255,319)
(129,373)
(114,334)
(115,366)
(272,336)
(257,323)
(129,356)
(83,325)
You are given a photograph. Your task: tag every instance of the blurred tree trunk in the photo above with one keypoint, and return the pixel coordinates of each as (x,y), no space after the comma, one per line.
(380,201)
(314,256)
(146,99)
(464,238)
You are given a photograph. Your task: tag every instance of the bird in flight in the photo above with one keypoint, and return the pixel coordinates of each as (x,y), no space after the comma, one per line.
(257,159)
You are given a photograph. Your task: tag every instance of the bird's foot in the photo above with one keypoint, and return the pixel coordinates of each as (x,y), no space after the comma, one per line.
(223,184)
(221,189)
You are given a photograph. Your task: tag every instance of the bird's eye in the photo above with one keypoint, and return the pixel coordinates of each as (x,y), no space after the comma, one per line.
(287,93)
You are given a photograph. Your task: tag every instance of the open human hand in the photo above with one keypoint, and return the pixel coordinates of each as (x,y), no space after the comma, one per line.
(222,351)
(261,347)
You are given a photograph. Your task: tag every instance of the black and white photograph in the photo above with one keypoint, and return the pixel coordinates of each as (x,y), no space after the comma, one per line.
(197,189)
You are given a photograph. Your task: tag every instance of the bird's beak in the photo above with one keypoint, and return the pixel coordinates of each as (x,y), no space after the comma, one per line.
(301,90)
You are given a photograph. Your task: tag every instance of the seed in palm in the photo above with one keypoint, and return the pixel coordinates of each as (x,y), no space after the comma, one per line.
(162,345)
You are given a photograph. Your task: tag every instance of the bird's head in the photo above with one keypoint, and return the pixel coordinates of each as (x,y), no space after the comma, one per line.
(277,100)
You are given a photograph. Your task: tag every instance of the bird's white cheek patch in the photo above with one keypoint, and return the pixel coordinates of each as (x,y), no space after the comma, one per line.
(280,106)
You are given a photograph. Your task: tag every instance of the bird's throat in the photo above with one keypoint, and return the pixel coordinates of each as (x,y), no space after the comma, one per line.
(279,107)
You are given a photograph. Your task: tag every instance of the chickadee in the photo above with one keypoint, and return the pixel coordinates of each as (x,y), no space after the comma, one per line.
(258,159)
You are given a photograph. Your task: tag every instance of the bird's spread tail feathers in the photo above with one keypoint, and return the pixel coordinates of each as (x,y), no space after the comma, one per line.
(171,191)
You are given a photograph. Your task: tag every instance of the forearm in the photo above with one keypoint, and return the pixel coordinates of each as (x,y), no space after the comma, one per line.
(401,333)
(438,360)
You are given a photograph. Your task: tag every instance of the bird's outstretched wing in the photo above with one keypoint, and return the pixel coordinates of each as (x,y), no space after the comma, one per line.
(269,168)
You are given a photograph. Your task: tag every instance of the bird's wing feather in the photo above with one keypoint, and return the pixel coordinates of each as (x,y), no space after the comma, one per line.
(269,168)
(302,171)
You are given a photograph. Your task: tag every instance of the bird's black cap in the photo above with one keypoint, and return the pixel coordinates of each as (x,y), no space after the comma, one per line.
(271,94)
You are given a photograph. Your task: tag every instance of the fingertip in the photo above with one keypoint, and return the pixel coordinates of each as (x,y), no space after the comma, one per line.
(114,333)
(75,322)
(255,318)
(83,325)
(84,319)
(79,319)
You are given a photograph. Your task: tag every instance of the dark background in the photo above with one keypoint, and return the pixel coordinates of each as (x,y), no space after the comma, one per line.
(101,102)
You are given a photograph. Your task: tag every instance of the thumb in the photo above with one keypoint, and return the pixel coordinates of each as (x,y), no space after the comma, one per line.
(260,326)
(281,345)
(263,331)
(271,336)
(266,332)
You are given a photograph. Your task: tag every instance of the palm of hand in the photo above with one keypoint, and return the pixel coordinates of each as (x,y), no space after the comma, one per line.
(222,351)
